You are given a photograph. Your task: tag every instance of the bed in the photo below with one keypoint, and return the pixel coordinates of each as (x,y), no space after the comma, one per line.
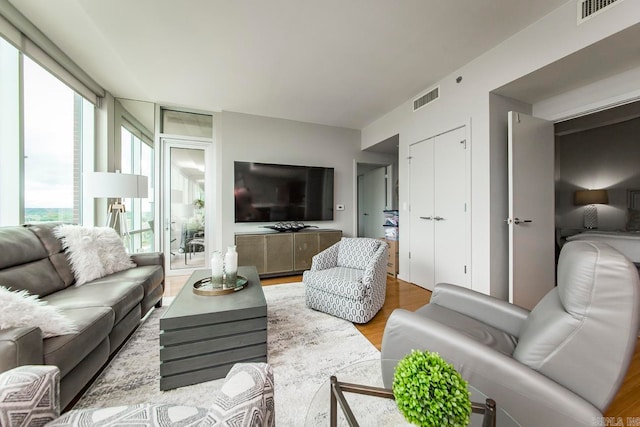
(628,241)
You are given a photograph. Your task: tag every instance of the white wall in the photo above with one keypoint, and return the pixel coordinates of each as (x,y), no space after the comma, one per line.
(550,39)
(245,137)
(601,158)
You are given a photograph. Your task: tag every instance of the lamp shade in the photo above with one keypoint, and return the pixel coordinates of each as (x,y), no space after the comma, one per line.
(591,197)
(116,185)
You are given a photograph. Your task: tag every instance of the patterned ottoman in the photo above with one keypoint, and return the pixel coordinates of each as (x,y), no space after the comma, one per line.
(29,397)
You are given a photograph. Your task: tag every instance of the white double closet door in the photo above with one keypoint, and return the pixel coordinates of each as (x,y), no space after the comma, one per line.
(439,210)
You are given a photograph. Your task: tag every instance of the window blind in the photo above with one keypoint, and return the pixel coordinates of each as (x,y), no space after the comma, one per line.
(26,37)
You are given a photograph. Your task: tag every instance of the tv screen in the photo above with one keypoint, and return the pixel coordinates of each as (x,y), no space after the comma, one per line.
(268,192)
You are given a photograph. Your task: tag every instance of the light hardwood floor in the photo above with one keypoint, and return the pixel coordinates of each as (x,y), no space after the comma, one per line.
(405,295)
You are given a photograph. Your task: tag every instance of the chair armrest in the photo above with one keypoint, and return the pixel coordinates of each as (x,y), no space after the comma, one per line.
(20,346)
(378,262)
(528,396)
(246,380)
(377,265)
(326,259)
(487,309)
(149,258)
(29,395)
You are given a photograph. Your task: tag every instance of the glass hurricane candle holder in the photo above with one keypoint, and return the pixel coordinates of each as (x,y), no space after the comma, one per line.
(217,268)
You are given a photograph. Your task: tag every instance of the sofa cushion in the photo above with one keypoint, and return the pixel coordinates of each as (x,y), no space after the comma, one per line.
(38,277)
(24,263)
(357,252)
(149,277)
(19,246)
(53,246)
(117,294)
(44,233)
(342,281)
(20,309)
(67,351)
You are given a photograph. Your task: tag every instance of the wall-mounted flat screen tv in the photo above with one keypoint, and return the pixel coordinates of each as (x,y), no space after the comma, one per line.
(267,192)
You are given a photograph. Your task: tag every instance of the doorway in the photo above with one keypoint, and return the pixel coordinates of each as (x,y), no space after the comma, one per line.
(374,197)
(187,172)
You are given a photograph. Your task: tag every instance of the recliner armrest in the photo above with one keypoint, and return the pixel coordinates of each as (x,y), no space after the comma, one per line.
(149,258)
(29,395)
(20,346)
(487,309)
(528,396)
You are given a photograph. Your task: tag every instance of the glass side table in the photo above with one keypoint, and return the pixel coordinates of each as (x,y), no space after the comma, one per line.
(370,404)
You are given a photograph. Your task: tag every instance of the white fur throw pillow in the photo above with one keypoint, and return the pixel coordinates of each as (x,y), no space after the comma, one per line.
(21,309)
(93,252)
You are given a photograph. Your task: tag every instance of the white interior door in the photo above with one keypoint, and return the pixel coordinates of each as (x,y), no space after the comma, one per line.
(373,192)
(450,208)
(421,185)
(531,209)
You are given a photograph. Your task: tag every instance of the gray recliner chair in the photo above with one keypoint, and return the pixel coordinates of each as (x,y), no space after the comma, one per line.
(560,364)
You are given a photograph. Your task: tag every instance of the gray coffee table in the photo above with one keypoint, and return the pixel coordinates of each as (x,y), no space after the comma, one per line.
(202,337)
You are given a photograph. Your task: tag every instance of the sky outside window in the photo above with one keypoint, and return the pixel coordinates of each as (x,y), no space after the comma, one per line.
(49,144)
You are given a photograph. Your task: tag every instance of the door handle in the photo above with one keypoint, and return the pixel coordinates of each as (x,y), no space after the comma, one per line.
(438,218)
(365,214)
(520,221)
(428,218)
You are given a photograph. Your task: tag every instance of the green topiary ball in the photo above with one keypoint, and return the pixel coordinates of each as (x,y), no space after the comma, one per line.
(430,392)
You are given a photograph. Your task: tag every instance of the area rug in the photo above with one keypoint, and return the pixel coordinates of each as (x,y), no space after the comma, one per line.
(304,347)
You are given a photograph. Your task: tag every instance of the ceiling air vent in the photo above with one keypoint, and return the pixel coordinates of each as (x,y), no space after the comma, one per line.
(589,8)
(428,97)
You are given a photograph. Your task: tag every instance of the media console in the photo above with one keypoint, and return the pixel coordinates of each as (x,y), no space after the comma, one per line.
(279,254)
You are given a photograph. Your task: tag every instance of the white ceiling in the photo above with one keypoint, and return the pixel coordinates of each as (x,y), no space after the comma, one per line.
(335,62)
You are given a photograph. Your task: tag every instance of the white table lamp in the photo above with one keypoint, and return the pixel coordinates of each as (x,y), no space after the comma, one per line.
(589,199)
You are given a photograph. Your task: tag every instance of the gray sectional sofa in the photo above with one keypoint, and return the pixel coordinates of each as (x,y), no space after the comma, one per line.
(106,310)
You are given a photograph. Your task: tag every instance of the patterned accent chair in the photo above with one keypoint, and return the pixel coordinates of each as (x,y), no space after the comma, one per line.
(29,397)
(348,279)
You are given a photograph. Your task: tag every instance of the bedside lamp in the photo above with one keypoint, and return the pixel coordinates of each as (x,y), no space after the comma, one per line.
(589,199)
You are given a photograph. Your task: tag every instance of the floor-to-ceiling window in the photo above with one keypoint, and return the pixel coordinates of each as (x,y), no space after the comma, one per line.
(137,158)
(47,127)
